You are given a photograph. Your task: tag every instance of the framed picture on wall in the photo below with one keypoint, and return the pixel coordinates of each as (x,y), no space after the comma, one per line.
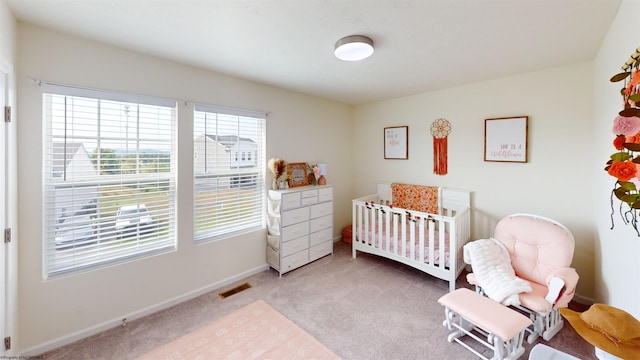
(396,142)
(505,139)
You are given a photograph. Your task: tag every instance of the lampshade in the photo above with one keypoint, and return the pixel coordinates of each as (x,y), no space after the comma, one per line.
(323,169)
(354,48)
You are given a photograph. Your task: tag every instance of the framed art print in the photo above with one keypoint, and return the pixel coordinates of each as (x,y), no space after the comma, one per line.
(396,142)
(505,139)
(297,174)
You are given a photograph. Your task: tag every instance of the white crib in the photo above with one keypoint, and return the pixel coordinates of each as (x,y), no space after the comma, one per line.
(432,243)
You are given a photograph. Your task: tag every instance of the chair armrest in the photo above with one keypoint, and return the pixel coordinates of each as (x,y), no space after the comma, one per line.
(471,279)
(570,278)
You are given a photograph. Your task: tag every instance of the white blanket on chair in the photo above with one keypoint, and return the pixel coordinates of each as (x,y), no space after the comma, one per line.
(491,265)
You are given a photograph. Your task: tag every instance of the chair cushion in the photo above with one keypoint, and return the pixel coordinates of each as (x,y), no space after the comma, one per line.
(534,300)
(537,246)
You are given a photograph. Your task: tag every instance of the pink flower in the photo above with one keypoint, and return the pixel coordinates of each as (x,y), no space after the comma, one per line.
(628,126)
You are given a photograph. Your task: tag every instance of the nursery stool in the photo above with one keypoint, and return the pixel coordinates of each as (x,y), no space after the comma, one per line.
(473,314)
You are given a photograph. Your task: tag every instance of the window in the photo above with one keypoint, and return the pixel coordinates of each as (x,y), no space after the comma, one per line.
(109,177)
(228,193)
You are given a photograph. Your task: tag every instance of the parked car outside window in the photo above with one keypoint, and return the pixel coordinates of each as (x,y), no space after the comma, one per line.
(133,219)
(75,230)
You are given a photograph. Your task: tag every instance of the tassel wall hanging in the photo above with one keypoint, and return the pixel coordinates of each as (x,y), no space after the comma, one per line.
(440,129)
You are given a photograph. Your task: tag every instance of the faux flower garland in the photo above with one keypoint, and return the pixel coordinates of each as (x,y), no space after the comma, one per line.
(624,164)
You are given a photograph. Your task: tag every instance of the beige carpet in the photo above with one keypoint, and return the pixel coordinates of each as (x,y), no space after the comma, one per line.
(256,331)
(361,309)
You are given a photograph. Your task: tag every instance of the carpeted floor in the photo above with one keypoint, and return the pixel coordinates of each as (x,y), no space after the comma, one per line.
(364,308)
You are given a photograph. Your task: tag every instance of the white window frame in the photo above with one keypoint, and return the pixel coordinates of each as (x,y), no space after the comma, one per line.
(108,248)
(211,220)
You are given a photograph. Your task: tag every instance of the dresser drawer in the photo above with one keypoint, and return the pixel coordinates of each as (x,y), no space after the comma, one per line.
(321,236)
(309,200)
(294,231)
(321,250)
(325,194)
(294,261)
(310,193)
(321,209)
(293,246)
(294,216)
(320,223)
(290,200)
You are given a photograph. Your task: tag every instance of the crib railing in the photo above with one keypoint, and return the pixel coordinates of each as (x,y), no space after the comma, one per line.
(444,235)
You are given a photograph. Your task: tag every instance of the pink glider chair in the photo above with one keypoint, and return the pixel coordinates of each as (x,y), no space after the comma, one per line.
(541,251)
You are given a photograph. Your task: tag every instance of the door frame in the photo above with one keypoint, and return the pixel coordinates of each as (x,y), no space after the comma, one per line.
(8,211)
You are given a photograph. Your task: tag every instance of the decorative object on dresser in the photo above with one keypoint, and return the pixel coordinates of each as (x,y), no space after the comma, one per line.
(297,174)
(278,169)
(300,226)
(322,171)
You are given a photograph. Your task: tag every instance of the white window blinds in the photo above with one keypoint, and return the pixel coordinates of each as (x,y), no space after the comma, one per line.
(109,177)
(228,171)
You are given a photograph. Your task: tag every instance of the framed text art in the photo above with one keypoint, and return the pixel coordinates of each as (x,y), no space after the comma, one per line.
(396,142)
(505,139)
(297,174)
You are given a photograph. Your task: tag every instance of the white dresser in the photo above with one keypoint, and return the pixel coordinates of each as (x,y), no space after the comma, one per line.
(300,224)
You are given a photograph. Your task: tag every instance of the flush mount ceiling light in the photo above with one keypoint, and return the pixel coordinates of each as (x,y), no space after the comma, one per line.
(354,48)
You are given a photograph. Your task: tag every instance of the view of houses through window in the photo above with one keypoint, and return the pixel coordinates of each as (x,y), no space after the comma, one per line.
(110,175)
(109,178)
(228,170)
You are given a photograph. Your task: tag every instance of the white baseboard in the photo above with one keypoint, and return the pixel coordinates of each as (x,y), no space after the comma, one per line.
(71,338)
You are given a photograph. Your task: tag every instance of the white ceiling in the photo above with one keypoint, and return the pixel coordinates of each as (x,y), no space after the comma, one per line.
(420,45)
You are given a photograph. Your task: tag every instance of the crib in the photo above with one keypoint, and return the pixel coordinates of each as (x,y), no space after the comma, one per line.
(431,242)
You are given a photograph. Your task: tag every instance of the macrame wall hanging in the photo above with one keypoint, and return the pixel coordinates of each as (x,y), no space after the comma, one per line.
(440,129)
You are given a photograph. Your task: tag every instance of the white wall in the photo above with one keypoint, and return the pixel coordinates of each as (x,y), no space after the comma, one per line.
(53,312)
(556,181)
(7,33)
(617,269)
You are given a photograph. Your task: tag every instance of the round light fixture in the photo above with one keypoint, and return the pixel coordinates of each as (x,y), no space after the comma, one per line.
(354,48)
